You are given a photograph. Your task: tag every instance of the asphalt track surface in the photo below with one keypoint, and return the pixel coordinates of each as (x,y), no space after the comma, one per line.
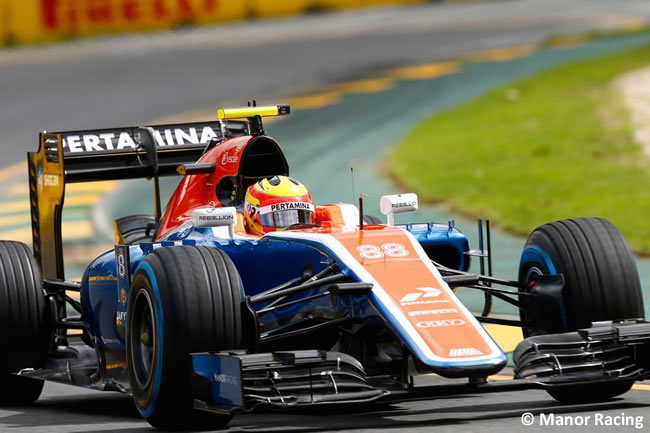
(133,79)
(66,409)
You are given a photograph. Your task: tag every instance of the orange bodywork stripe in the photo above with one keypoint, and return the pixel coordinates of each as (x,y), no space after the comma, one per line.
(435,313)
(330,213)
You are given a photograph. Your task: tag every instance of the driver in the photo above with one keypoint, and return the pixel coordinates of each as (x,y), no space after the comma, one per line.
(276,203)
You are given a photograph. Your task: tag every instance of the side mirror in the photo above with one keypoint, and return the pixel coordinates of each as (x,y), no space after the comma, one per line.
(215,217)
(397,203)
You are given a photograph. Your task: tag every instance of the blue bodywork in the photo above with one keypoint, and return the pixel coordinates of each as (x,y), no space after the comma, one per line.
(262,264)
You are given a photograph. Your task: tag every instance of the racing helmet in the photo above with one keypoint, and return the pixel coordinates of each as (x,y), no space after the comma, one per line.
(276,203)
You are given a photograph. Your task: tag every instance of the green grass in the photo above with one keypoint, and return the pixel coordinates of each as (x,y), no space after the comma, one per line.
(570,39)
(556,145)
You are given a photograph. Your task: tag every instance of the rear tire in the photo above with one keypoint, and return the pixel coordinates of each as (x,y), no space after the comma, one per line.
(19,390)
(25,323)
(183,300)
(601,283)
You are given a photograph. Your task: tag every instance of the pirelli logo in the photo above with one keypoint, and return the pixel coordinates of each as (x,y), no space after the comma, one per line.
(432,312)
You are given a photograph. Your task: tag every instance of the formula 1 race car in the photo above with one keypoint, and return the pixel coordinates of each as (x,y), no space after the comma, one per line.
(197,319)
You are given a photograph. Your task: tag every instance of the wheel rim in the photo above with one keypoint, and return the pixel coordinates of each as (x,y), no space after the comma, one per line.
(533,274)
(142,339)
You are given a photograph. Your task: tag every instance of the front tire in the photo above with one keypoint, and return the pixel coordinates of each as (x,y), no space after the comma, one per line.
(25,323)
(601,283)
(183,300)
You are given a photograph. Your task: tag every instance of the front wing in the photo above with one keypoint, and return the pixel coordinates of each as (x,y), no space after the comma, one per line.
(236,381)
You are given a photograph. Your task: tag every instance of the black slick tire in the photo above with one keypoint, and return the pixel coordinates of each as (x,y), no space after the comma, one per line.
(601,283)
(19,390)
(25,323)
(371,219)
(183,299)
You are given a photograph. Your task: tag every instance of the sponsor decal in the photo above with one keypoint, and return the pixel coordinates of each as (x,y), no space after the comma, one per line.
(59,16)
(123,140)
(214,217)
(286,206)
(464,351)
(225,379)
(228,217)
(121,316)
(425,292)
(107,340)
(434,301)
(440,323)
(123,295)
(98,143)
(403,204)
(290,206)
(40,178)
(51,180)
(121,268)
(229,159)
(432,312)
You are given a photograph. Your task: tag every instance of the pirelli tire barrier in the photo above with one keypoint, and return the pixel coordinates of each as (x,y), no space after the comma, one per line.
(30,21)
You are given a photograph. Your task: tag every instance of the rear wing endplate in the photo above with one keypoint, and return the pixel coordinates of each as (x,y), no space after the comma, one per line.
(46,192)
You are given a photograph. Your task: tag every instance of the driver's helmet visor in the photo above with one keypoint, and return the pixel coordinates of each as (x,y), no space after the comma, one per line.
(282,215)
(285,218)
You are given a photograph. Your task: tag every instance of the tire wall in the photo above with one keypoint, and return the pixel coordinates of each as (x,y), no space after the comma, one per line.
(30,21)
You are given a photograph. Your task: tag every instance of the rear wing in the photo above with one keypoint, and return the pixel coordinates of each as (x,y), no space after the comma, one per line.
(120,153)
(106,154)
(117,153)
